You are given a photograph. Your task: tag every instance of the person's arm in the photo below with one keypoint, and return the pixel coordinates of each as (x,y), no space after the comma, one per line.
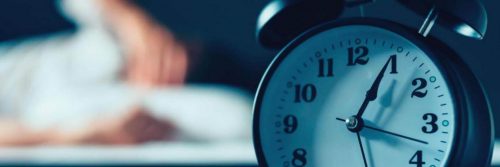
(135,126)
(12,132)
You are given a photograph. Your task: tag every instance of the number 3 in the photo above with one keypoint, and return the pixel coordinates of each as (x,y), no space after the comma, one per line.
(432,123)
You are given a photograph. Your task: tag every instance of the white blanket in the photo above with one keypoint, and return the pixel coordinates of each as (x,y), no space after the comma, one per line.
(178,153)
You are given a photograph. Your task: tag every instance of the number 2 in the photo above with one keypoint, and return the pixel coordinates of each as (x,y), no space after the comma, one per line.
(418,91)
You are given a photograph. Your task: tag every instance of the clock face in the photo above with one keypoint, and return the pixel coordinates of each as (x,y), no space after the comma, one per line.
(357,96)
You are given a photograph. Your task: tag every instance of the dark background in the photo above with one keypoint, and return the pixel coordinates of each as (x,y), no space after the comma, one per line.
(221,34)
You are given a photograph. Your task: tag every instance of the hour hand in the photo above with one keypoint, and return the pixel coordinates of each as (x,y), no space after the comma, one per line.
(372,93)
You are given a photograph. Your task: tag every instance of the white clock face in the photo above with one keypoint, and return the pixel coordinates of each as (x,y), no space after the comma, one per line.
(398,105)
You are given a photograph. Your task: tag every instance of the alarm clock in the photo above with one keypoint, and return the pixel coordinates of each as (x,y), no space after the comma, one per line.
(367,92)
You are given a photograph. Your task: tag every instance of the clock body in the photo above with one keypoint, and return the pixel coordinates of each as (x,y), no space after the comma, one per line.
(429,109)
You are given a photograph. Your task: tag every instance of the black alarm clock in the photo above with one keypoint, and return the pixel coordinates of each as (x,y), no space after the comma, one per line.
(366,92)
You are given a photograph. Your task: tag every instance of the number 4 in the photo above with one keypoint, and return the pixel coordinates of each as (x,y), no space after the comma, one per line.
(416,159)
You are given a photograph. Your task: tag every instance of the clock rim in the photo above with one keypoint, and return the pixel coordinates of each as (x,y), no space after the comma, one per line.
(449,65)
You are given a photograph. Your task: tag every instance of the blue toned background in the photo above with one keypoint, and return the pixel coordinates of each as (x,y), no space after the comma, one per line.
(230,26)
(224,30)
(220,34)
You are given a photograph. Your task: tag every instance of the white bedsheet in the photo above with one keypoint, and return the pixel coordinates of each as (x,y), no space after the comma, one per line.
(152,153)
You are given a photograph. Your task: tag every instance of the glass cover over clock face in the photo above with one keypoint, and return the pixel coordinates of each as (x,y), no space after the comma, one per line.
(356,96)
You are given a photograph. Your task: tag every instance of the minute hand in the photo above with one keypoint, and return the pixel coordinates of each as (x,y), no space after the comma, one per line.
(371,94)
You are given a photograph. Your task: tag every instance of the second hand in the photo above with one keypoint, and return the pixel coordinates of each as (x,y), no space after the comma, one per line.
(362,149)
(390,133)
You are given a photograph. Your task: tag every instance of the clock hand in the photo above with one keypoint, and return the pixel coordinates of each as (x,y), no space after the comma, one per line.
(395,134)
(387,132)
(371,94)
(362,150)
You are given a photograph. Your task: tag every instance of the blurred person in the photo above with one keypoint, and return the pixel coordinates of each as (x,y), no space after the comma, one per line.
(119,79)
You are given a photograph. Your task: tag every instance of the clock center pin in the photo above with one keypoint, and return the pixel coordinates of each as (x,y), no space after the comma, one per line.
(354,124)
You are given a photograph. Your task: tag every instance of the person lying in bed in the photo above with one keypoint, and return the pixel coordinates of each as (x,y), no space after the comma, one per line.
(119,79)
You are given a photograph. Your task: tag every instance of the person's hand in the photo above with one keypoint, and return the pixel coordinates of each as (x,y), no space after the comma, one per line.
(155,59)
(153,56)
(136,126)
